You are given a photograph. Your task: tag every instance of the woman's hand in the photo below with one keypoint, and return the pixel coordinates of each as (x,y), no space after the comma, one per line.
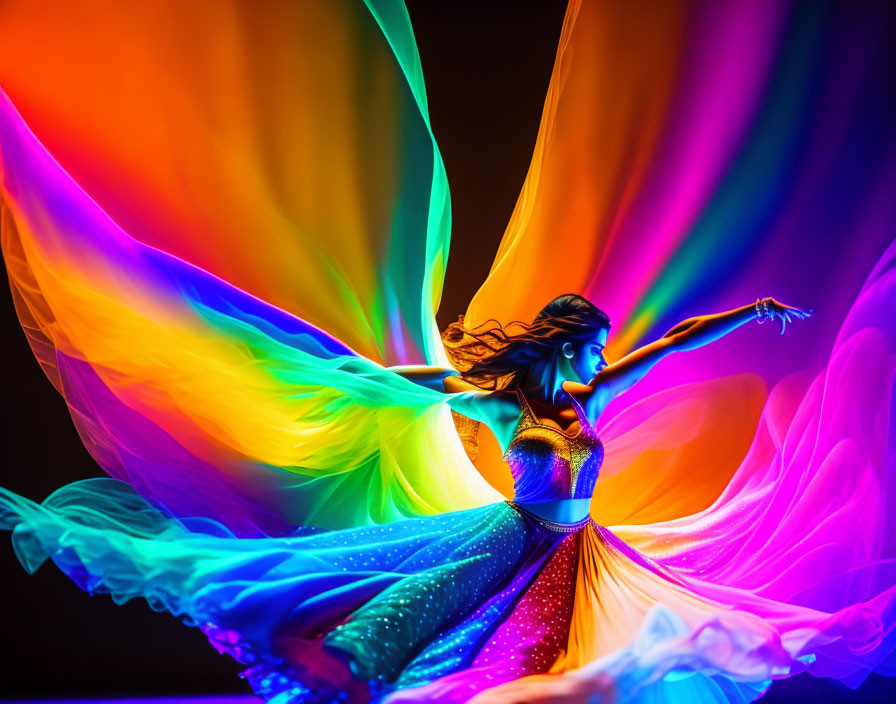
(768,309)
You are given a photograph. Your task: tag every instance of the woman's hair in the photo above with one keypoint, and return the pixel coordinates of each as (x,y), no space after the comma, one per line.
(491,357)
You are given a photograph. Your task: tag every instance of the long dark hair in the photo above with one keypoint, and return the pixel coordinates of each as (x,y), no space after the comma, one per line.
(493,358)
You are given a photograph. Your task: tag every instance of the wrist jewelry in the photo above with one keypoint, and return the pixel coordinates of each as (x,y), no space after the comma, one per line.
(763,312)
(759,316)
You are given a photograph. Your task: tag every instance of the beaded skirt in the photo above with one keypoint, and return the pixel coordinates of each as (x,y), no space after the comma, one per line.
(489,604)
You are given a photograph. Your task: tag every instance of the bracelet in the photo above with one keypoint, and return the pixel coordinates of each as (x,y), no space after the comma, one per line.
(763,312)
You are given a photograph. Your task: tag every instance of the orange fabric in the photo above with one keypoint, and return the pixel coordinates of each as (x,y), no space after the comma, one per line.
(613,595)
(607,100)
(255,140)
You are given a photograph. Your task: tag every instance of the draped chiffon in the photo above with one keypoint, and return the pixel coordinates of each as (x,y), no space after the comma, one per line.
(218,321)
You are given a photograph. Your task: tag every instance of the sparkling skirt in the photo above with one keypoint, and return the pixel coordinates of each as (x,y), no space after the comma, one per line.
(486,604)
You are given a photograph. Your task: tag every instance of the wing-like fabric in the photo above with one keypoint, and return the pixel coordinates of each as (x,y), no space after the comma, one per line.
(693,156)
(809,512)
(182,218)
(284,147)
(187,189)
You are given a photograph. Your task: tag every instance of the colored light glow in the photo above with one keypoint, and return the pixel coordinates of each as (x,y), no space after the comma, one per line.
(689,158)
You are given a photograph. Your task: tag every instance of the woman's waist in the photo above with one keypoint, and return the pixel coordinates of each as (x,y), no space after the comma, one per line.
(557,514)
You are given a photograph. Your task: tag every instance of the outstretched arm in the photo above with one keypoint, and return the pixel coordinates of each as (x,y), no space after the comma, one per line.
(493,408)
(689,334)
(430,377)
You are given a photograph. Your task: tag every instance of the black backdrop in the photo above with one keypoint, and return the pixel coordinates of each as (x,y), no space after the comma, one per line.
(487,67)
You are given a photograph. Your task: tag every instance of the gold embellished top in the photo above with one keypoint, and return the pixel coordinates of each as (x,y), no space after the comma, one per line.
(547,463)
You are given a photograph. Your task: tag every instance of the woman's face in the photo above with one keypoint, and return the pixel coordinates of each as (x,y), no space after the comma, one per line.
(586,357)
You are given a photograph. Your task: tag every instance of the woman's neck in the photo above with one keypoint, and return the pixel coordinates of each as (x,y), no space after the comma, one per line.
(542,382)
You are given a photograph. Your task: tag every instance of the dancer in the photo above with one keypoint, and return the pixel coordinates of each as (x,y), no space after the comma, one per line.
(431,608)
(274,410)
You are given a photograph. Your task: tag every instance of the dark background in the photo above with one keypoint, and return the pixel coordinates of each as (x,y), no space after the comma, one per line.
(487,66)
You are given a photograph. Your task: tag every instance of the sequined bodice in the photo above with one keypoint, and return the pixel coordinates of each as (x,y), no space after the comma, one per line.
(547,463)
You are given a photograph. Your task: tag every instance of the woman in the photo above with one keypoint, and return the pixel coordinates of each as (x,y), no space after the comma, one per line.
(561,356)
(440,608)
(236,429)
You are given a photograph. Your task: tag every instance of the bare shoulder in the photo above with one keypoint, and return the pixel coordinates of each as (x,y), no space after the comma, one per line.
(593,398)
(576,388)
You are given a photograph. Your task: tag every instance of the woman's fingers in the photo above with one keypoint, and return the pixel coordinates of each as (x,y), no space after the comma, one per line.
(799,312)
(787,313)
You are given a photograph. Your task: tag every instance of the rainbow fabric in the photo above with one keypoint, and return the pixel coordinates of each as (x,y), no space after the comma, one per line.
(335,237)
(222,221)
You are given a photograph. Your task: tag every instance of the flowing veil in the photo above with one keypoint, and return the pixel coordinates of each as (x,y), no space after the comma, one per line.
(330,218)
(222,224)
